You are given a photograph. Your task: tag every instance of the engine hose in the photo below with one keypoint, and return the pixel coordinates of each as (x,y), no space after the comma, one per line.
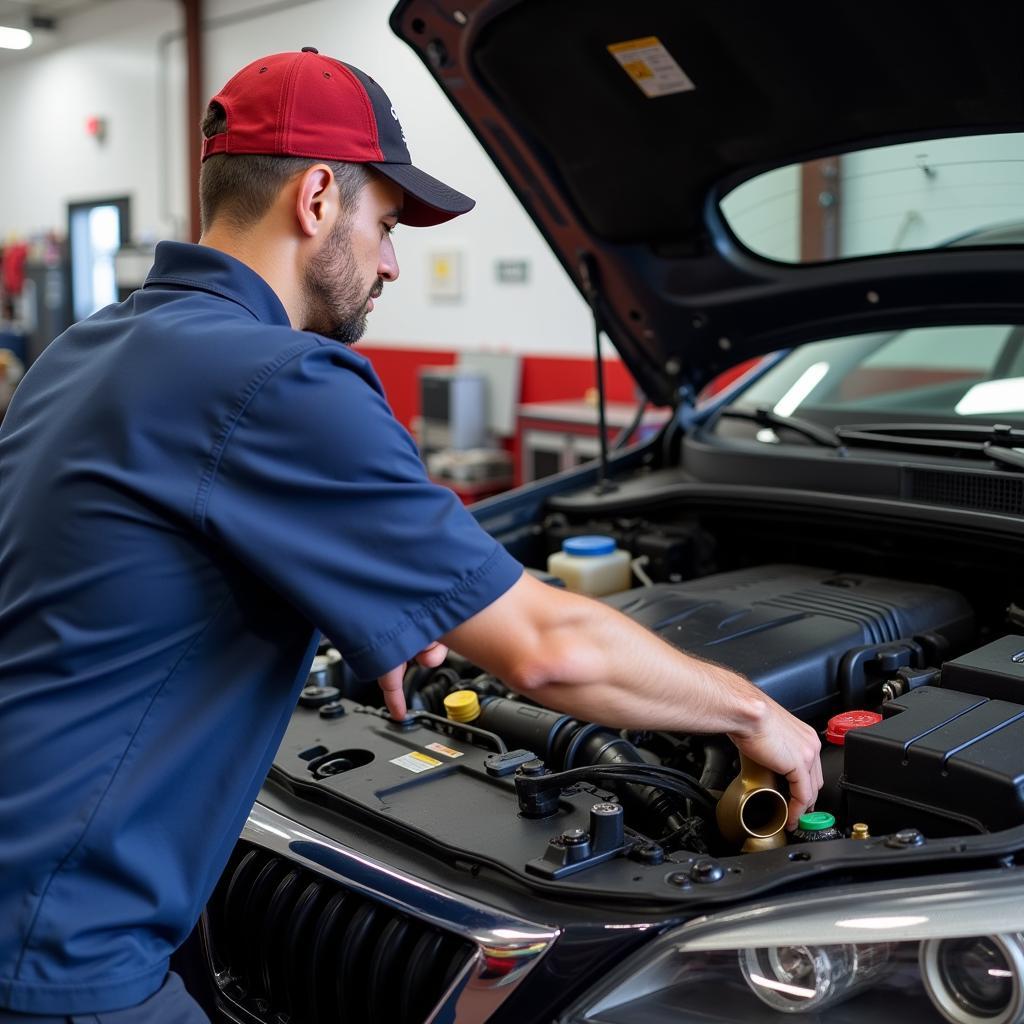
(565,743)
(718,765)
(428,694)
(659,811)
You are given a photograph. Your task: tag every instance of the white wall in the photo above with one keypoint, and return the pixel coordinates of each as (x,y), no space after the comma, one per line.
(765,213)
(111,68)
(924,194)
(107,67)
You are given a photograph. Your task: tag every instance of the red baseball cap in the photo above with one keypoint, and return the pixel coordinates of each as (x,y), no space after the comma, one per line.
(308,105)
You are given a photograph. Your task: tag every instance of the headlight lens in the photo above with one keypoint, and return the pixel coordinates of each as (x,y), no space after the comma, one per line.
(799,979)
(915,953)
(976,980)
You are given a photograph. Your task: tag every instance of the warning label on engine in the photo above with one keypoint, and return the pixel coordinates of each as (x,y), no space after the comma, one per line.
(415,762)
(651,66)
(440,748)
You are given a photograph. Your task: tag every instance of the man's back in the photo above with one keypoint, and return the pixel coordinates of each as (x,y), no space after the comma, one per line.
(187,487)
(119,690)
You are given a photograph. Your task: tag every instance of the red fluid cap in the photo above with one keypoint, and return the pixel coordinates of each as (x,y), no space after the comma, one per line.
(839,726)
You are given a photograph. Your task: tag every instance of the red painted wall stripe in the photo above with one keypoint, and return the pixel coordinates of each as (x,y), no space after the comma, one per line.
(544,378)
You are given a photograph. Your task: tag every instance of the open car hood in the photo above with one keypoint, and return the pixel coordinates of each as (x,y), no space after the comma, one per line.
(629,184)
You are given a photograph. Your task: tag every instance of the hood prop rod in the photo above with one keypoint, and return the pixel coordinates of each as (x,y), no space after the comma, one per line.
(588,279)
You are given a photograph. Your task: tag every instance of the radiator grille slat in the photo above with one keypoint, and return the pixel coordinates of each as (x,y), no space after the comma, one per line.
(356,949)
(294,947)
(272,950)
(425,954)
(298,949)
(388,962)
(322,966)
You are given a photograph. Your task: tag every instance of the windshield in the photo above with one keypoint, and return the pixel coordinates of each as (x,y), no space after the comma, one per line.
(971,374)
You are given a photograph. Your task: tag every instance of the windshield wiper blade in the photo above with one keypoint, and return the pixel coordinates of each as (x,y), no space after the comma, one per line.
(998,442)
(769,418)
(1001,434)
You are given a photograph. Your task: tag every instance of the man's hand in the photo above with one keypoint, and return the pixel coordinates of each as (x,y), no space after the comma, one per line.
(391,682)
(788,747)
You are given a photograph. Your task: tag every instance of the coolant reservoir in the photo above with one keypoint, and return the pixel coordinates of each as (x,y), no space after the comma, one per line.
(592,565)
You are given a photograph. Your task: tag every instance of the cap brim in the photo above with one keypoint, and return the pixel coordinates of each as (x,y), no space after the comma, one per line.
(427,200)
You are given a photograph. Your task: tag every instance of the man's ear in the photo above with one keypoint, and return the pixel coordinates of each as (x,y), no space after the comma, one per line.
(315,200)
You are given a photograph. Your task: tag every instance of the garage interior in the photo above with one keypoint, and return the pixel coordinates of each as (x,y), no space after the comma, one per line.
(733,344)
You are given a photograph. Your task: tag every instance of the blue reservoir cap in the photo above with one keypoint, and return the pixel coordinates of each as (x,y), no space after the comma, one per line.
(592,545)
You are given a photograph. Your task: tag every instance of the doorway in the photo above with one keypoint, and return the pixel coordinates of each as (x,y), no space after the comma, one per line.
(96,230)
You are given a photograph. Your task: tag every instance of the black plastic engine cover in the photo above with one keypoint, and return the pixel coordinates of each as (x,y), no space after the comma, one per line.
(787,627)
(944,762)
(995,671)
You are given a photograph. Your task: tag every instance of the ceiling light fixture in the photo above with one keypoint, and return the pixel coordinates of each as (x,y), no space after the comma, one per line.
(14,38)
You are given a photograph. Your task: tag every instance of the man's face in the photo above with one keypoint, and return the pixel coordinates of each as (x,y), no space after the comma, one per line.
(349,271)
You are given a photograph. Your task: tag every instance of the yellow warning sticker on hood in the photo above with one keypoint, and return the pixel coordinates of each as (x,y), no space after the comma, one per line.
(651,66)
(415,762)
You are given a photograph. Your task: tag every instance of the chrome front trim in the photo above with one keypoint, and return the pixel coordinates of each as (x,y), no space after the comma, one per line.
(485,982)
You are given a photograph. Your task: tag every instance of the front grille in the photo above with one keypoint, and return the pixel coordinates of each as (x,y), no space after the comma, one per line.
(292,945)
(966,490)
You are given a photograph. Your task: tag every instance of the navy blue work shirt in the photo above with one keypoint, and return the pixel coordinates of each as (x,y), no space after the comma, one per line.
(189,491)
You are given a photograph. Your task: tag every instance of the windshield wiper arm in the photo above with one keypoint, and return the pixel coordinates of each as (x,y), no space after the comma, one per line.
(769,418)
(1004,456)
(998,442)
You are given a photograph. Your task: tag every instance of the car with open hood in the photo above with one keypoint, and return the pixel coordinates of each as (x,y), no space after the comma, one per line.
(824,204)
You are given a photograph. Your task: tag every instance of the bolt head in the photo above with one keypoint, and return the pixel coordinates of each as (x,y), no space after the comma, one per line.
(706,871)
(904,838)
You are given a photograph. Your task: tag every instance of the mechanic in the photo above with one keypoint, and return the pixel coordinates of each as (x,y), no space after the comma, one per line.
(198,482)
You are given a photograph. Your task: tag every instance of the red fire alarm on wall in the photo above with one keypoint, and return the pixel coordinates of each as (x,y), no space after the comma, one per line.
(96,127)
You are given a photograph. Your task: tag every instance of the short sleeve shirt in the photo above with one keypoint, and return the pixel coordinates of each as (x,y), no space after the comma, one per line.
(191,492)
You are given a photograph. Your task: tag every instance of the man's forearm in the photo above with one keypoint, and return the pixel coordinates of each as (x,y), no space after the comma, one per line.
(602,666)
(582,657)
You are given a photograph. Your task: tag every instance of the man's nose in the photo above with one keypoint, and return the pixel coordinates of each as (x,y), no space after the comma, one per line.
(387,267)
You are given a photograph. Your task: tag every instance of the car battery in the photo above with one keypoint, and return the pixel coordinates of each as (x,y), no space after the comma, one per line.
(942,761)
(995,670)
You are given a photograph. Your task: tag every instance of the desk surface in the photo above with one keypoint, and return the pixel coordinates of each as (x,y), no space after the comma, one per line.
(617,414)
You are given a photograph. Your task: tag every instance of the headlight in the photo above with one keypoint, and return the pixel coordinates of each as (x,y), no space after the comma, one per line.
(948,951)
(798,979)
(976,979)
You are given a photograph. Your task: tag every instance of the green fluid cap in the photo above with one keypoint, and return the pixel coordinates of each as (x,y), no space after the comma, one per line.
(816,821)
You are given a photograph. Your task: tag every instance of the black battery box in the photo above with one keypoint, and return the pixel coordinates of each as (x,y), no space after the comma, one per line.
(942,761)
(995,670)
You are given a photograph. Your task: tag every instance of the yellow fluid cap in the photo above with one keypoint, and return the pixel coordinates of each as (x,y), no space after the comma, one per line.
(462,706)
(860,831)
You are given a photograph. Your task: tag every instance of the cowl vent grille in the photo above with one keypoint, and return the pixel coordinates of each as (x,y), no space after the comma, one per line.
(981,491)
(292,945)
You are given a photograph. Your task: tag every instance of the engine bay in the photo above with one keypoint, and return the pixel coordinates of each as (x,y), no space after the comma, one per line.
(919,700)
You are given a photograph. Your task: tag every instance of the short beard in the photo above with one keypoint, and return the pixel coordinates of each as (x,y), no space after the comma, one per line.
(335,297)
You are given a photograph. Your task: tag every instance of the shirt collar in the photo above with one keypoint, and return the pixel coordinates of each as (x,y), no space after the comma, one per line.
(213,271)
